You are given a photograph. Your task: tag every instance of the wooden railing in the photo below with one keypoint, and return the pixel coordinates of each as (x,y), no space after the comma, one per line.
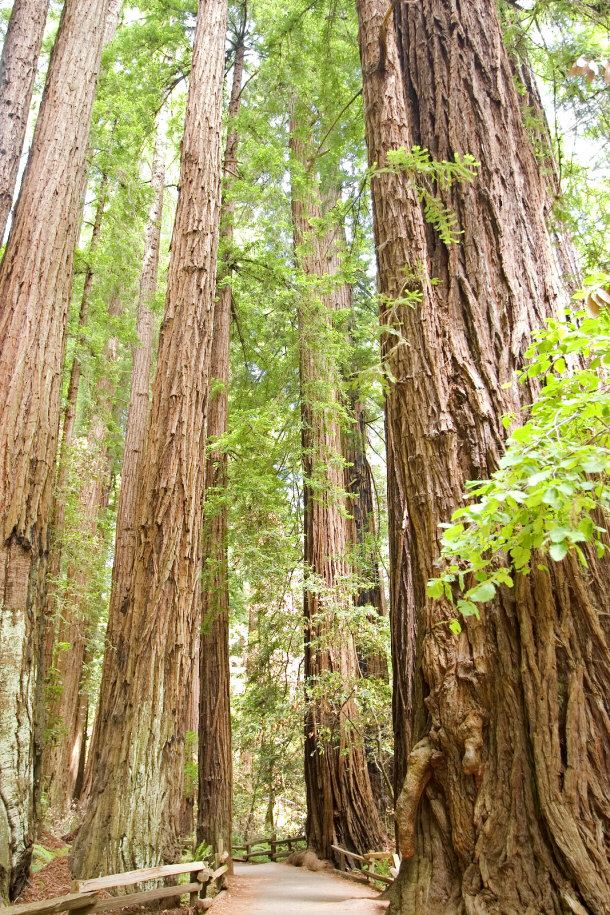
(86,898)
(368,861)
(277,851)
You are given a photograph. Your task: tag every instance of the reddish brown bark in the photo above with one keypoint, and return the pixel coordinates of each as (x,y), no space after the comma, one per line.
(17,71)
(35,285)
(340,805)
(214,812)
(137,424)
(147,673)
(492,816)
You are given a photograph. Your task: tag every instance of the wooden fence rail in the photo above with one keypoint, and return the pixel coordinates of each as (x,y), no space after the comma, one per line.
(368,863)
(86,897)
(276,850)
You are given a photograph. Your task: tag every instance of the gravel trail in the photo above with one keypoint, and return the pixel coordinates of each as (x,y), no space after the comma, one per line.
(280,889)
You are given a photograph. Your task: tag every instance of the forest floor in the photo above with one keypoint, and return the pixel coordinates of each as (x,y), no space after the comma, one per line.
(279,889)
(254,889)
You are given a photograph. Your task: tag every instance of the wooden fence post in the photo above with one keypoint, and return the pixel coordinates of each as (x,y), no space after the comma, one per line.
(273,845)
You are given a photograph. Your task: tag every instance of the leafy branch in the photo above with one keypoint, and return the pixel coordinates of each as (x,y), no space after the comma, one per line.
(552,490)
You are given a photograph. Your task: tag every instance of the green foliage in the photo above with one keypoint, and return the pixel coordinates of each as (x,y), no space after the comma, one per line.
(203,851)
(191,770)
(553,38)
(551,493)
(41,855)
(307,61)
(428,173)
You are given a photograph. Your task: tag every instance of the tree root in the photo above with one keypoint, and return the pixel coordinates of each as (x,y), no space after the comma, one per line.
(420,764)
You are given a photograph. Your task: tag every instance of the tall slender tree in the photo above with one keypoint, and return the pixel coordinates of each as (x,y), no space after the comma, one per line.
(35,285)
(340,805)
(17,71)
(504,806)
(137,424)
(76,625)
(67,437)
(215,797)
(143,701)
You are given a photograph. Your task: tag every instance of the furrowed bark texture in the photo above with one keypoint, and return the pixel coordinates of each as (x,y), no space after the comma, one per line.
(506,802)
(215,764)
(135,440)
(340,805)
(77,626)
(148,672)
(17,72)
(35,285)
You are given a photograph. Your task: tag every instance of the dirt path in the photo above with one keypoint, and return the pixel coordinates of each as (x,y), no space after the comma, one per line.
(280,889)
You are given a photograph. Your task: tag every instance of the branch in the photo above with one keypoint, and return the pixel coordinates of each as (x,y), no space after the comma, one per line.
(330,130)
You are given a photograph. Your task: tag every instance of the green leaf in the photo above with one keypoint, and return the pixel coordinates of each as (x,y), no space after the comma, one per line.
(455,627)
(467,608)
(559,534)
(558,550)
(436,588)
(483,592)
(593,465)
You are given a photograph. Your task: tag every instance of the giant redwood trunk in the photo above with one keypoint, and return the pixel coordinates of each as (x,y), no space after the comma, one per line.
(505,806)
(135,434)
(340,805)
(137,414)
(17,71)
(139,752)
(35,285)
(215,763)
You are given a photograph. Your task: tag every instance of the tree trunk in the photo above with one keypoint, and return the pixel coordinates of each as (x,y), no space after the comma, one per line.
(215,798)
(137,415)
(77,627)
(59,501)
(362,542)
(505,801)
(17,71)
(362,530)
(340,806)
(147,673)
(35,286)
(136,427)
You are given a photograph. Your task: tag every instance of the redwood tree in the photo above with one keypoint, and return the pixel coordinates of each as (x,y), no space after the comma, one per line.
(506,801)
(137,414)
(340,805)
(139,752)
(35,286)
(215,796)
(17,71)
